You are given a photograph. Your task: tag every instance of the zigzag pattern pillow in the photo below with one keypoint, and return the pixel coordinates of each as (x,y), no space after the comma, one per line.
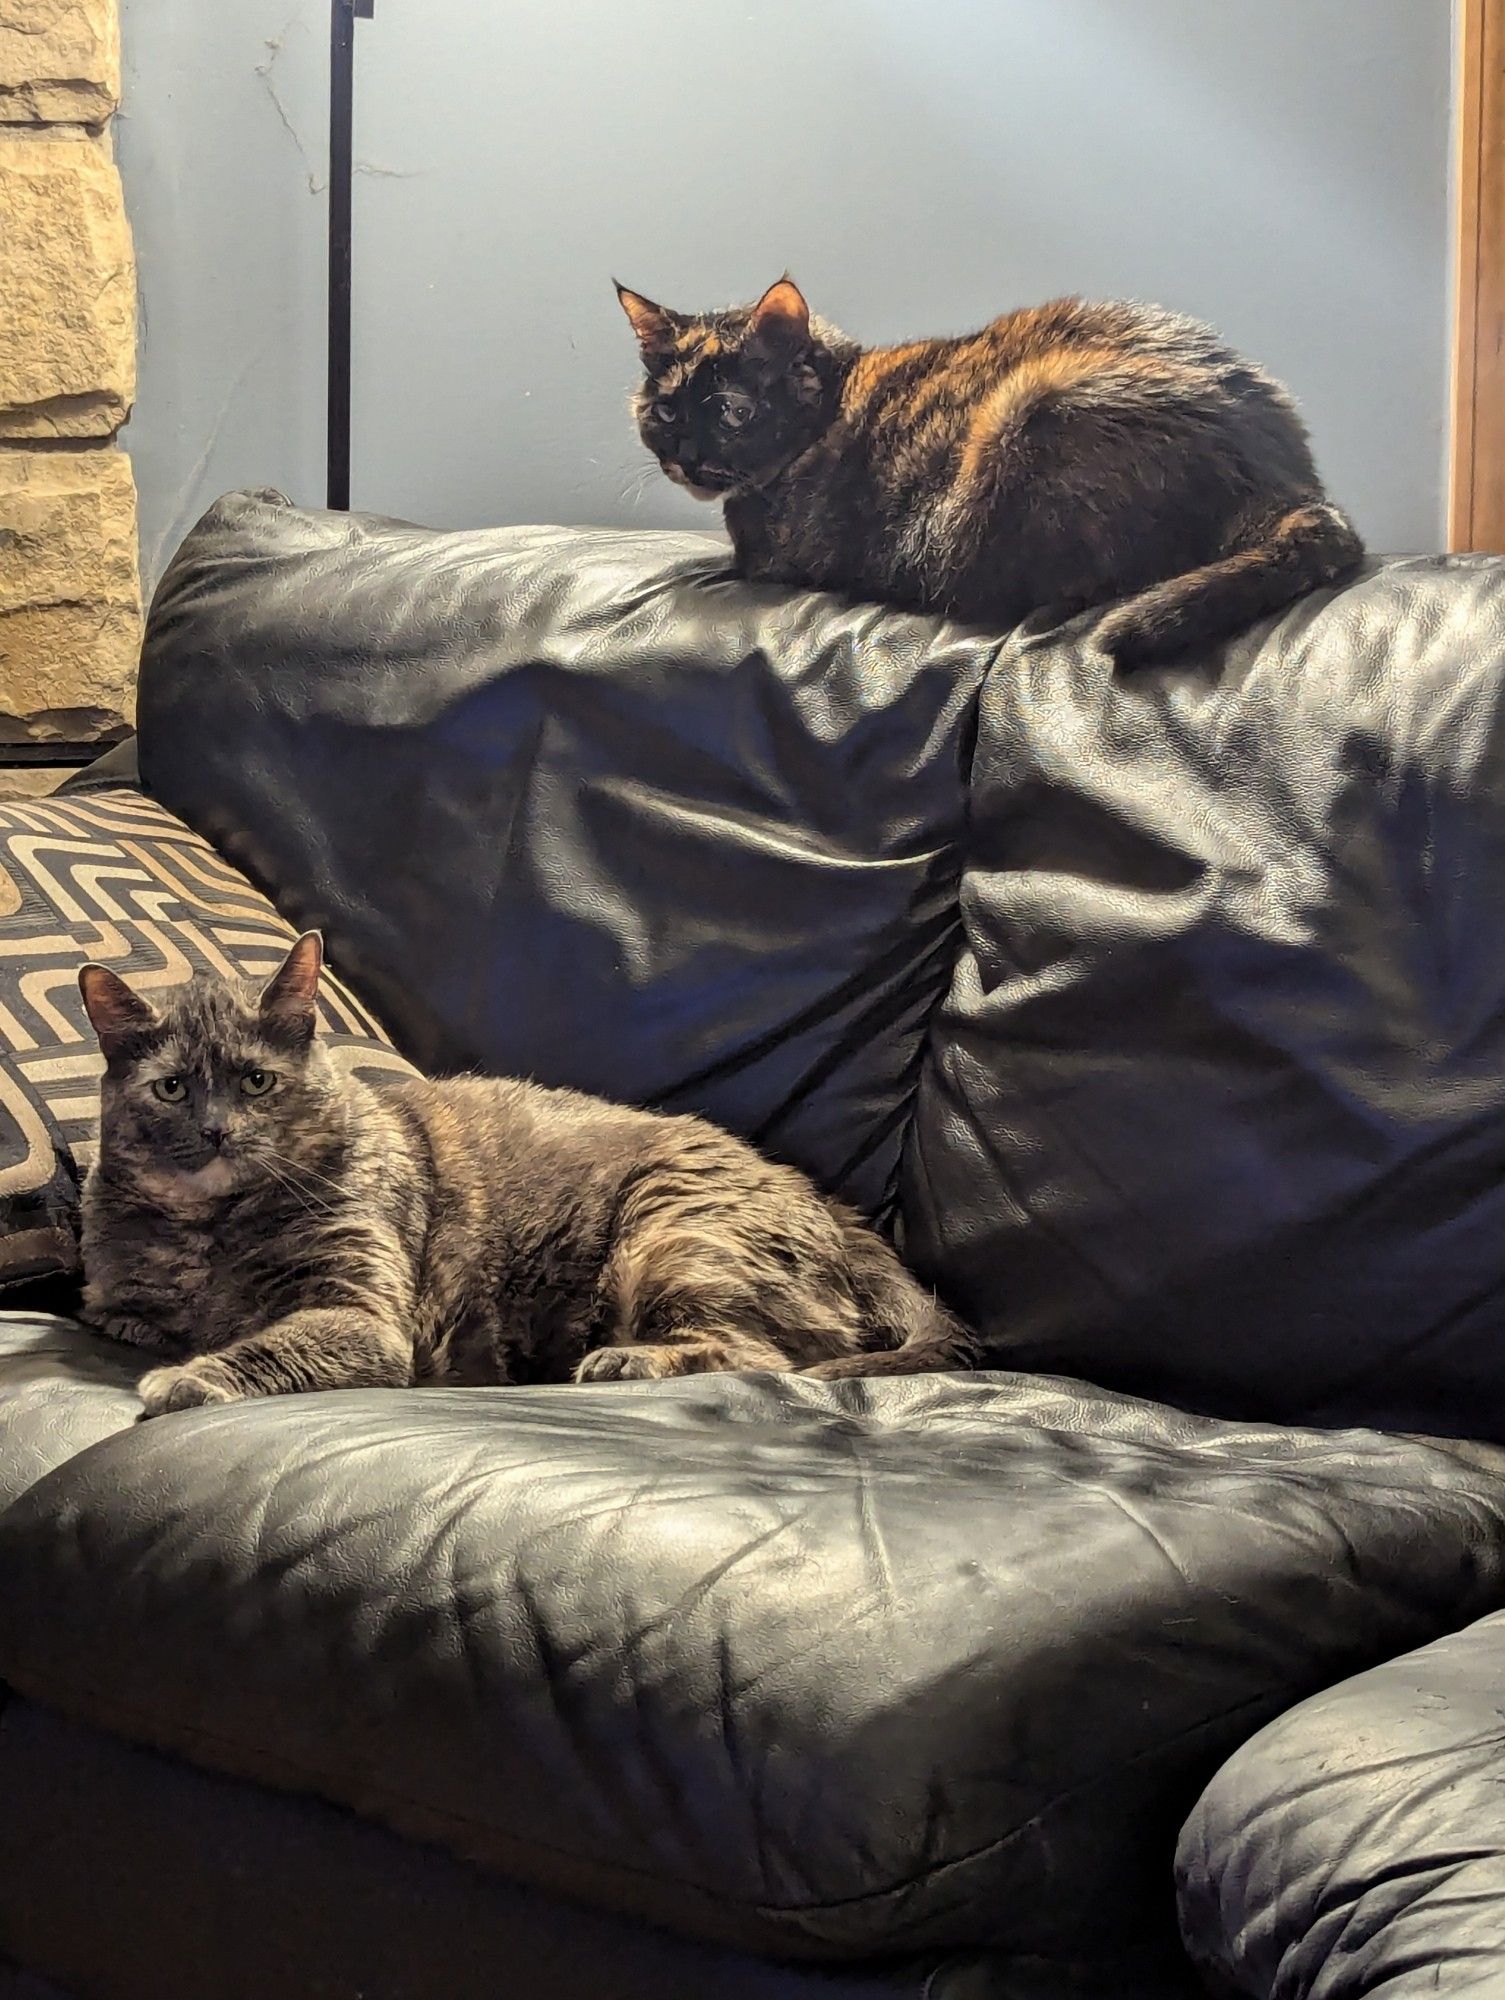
(109,875)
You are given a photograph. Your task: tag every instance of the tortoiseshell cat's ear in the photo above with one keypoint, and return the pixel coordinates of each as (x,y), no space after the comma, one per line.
(653,325)
(289,996)
(115,1012)
(781,315)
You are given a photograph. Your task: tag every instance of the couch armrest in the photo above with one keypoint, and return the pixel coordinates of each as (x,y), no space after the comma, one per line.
(1357,1846)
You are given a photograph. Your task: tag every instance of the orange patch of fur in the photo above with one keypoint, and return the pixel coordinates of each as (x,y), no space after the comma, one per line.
(1027,384)
(875,366)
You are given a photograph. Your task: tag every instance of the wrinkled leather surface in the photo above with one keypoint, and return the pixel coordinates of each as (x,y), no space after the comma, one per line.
(579,805)
(1215,1110)
(1211,1110)
(61,1390)
(1356,1847)
(815,1671)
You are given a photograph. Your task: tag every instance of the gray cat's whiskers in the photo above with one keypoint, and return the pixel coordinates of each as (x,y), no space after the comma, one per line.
(285,1181)
(299,1170)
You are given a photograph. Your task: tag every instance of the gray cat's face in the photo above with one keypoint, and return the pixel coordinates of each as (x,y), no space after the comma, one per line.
(216,1087)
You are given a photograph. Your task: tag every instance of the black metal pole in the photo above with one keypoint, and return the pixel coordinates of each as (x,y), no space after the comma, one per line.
(342,18)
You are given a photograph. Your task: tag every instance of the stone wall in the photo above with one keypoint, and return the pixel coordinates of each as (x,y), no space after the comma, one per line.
(70,600)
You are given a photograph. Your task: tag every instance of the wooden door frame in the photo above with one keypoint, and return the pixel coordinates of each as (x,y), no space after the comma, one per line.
(1476,481)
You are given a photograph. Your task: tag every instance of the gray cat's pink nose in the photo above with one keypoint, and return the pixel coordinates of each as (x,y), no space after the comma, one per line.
(215,1135)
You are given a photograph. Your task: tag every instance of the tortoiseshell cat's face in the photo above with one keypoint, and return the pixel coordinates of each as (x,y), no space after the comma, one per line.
(729,398)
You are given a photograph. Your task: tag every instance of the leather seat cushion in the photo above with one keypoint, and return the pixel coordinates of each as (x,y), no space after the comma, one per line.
(816,1670)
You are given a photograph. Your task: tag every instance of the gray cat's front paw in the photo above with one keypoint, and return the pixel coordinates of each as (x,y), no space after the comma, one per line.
(187,1388)
(627,1364)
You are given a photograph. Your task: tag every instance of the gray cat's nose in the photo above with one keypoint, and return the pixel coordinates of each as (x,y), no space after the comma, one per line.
(215,1135)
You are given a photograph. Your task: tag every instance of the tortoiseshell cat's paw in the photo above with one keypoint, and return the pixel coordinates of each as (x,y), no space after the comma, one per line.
(187,1388)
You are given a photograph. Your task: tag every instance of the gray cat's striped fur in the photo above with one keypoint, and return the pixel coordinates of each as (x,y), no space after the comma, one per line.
(272,1225)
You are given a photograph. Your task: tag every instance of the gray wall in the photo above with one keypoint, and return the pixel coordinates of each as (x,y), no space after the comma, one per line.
(1277,166)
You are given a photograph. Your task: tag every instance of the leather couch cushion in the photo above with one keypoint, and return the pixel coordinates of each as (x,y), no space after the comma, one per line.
(61,1390)
(1357,1846)
(579,805)
(818,1671)
(1215,1110)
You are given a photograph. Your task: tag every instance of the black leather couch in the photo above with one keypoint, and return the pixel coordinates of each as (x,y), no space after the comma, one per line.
(1163,1019)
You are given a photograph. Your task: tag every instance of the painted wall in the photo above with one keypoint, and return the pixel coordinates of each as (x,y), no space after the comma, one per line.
(1277,166)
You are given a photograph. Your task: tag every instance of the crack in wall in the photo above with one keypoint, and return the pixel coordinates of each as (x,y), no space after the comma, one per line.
(274,45)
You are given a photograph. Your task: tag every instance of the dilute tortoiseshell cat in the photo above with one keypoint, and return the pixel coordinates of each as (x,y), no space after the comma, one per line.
(273,1225)
(1067,455)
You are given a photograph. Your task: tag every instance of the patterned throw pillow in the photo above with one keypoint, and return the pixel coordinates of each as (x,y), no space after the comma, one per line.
(109,875)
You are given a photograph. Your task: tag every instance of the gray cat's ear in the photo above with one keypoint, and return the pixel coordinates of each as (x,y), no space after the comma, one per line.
(289,995)
(653,325)
(781,315)
(115,1012)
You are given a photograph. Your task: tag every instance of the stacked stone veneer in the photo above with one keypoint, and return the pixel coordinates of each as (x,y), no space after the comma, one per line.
(70,599)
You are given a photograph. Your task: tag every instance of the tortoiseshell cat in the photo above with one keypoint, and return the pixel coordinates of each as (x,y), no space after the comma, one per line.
(1067,455)
(273,1225)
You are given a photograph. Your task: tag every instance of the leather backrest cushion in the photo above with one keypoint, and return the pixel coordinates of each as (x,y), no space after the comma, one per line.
(1215,1109)
(583,807)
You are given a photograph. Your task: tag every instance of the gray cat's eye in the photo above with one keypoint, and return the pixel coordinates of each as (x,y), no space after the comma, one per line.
(170,1089)
(663,410)
(735,415)
(257,1082)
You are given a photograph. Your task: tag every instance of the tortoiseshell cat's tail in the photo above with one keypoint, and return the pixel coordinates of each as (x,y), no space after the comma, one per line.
(1293,553)
(908,1330)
